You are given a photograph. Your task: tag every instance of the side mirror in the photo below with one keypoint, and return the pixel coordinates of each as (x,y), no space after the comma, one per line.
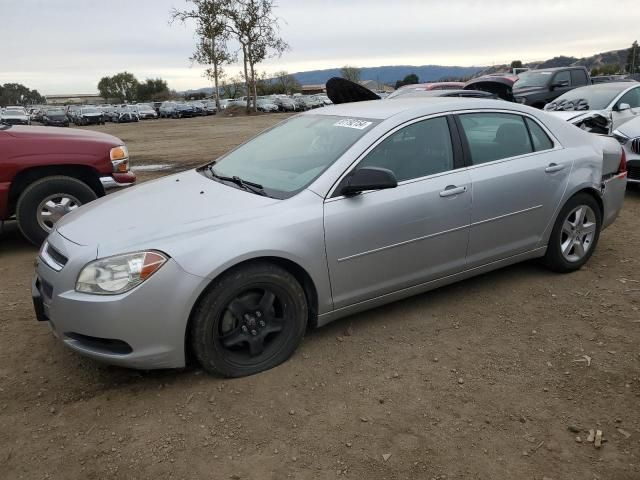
(369,178)
(621,107)
(560,84)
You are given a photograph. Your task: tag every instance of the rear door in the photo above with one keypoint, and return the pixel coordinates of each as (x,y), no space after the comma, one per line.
(382,241)
(519,177)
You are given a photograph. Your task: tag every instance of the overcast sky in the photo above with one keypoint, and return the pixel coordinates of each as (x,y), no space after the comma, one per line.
(66,46)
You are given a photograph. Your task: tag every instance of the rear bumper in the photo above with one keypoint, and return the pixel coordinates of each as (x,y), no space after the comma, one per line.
(118,180)
(613,191)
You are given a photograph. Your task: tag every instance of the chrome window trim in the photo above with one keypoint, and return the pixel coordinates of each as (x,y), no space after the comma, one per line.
(556,146)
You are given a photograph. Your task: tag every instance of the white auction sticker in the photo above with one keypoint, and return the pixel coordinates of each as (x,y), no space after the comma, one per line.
(352,123)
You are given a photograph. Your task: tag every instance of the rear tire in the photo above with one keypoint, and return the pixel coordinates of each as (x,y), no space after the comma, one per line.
(251,319)
(53,196)
(575,234)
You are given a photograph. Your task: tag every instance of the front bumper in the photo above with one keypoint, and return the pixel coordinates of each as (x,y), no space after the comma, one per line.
(118,180)
(143,328)
(633,169)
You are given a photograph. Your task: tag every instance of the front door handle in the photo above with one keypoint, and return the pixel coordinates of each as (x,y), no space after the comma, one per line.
(452,190)
(554,167)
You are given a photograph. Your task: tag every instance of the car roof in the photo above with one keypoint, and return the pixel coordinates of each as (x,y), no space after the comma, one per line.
(615,86)
(384,109)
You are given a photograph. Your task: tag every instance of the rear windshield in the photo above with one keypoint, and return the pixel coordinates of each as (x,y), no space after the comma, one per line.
(587,98)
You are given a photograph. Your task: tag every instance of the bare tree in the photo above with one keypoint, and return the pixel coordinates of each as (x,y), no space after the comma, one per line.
(255,26)
(232,87)
(350,73)
(285,83)
(212,33)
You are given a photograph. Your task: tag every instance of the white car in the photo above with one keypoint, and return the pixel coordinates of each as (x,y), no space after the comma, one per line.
(598,108)
(15,116)
(629,136)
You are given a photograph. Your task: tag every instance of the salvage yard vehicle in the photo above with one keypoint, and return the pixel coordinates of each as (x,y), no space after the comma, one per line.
(539,87)
(89,116)
(46,173)
(599,108)
(146,112)
(168,110)
(629,137)
(15,115)
(55,117)
(329,213)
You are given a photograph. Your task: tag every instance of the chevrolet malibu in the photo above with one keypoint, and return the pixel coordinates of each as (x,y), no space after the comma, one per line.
(329,213)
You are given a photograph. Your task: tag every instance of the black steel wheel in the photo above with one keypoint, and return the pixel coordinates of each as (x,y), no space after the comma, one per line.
(251,319)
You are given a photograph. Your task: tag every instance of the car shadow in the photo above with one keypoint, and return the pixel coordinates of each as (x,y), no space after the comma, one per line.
(12,241)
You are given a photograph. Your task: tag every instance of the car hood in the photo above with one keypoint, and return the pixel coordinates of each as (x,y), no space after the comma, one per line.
(631,128)
(569,115)
(149,214)
(14,115)
(62,134)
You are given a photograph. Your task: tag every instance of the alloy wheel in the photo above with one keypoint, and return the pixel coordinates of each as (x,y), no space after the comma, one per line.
(54,207)
(578,233)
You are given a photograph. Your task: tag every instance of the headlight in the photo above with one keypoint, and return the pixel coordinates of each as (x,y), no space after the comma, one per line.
(621,137)
(119,274)
(120,159)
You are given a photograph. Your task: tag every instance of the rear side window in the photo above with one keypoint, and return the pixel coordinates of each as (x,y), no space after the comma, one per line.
(578,78)
(495,136)
(418,150)
(541,140)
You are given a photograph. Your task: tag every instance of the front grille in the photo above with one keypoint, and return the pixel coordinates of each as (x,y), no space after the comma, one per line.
(46,288)
(633,172)
(635,145)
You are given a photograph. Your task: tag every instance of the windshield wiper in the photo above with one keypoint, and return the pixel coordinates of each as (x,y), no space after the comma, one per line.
(245,184)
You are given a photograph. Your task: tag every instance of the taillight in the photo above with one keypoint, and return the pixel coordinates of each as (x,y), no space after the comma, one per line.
(622,168)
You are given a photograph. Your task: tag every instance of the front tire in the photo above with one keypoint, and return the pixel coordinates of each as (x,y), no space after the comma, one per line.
(47,200)
(251,319)
(575,234)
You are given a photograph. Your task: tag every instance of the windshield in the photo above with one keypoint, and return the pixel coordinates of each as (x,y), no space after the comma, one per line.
(532,79)
(588,98)
(55,112)
(288,157)
(90,110)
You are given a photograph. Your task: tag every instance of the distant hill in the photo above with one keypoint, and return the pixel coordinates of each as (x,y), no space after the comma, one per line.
(390,74)
(432,73)
(617,57)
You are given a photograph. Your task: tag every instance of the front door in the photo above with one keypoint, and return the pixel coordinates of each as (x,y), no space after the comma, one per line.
(382,241)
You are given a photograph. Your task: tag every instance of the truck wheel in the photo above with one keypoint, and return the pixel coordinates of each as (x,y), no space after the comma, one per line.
(251,319)
(47,200)
(575,234)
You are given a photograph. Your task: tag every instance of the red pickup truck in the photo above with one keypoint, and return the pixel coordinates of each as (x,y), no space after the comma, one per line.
(45,172)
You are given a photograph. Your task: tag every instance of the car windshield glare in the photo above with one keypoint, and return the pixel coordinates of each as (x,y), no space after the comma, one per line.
(288,157)
(595,98)
(532,79)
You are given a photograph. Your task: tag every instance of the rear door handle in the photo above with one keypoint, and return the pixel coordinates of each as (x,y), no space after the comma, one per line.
(452,190)
(554,167)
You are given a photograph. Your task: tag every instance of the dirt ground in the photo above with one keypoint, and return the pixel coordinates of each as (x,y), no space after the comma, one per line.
(485,379)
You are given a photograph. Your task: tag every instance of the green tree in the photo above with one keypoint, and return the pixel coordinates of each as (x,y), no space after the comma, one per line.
(410,79)
(18,94)
(633,58)
(212,35)
(152,89)
(122,86)
(350,73)
(516,64)
(607,69)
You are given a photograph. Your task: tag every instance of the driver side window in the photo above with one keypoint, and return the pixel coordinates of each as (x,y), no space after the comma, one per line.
(563,77)
(420,149)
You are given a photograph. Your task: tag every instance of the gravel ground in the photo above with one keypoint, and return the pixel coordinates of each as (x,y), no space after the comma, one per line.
(498,377)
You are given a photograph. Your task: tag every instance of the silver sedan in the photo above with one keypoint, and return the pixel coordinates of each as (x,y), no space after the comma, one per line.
(329,213)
